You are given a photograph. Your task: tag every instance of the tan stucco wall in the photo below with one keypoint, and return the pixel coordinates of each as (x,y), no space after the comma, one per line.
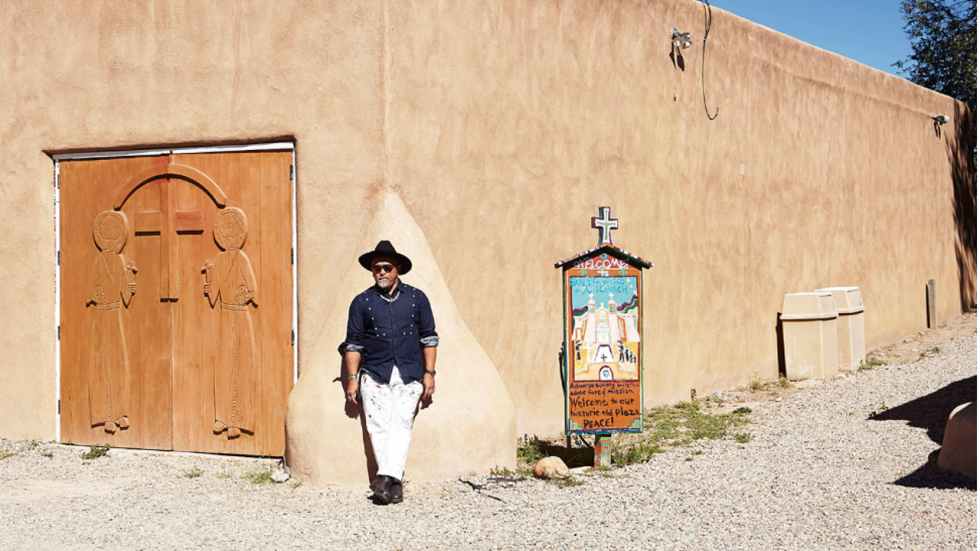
(502,126)
(468,427)
(511,122)
(83,75)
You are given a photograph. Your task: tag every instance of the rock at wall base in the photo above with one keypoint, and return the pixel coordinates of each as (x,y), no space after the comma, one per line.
(959,451)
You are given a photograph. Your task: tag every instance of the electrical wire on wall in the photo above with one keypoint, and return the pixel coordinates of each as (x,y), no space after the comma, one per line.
(704,46)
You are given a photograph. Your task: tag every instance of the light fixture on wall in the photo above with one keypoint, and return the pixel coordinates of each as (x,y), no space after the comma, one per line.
(941,119)
(681,41)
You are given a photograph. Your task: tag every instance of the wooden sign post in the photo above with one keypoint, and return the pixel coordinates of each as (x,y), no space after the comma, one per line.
(603,352)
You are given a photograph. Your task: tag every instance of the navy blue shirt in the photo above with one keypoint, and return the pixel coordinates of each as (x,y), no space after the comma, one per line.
(391,333)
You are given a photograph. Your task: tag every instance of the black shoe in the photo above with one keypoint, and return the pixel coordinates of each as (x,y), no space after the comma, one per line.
(396,492)
(382,488)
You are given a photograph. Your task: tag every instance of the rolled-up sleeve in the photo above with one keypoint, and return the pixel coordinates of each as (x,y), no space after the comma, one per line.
(428,338)
(355,329)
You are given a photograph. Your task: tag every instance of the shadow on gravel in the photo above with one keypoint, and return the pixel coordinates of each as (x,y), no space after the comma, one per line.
(931,411)
(929,476)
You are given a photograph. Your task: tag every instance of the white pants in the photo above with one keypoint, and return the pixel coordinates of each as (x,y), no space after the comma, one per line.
(389,411)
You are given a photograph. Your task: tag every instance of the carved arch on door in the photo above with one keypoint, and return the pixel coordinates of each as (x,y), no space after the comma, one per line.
(172,170)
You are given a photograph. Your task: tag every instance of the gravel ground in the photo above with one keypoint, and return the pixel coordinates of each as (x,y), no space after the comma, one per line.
(817,474)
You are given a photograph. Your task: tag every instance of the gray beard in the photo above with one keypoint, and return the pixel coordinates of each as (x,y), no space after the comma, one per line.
(384,284)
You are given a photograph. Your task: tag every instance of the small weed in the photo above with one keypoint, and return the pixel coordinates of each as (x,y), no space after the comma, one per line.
(693,405)
(742,437)
(870,363)
(33,445)
(529,451)
(688,459)
(784,382)
(882,408)
(259,477)
(936,350)
(569,482)
(193,473)
(635,452)
(677,425)
(47,453)
(707,427)
(96,452)
(757,384)
(502,472)
(297,484)
(224,474)
(6,453)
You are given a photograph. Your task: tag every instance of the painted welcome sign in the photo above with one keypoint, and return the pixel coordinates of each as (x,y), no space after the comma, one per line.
(603,359)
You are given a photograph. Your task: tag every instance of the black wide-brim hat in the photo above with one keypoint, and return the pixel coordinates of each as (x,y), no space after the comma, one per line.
(385,248)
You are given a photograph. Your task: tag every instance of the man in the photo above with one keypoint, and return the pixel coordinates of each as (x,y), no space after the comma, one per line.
(391,341)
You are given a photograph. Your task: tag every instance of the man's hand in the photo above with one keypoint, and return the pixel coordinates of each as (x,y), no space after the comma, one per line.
(429,384)
(352,390)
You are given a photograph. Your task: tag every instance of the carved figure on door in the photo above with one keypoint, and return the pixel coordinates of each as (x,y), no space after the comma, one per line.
(230,282)
(111,286)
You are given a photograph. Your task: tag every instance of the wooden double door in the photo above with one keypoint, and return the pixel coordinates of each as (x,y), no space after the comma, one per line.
(176,301)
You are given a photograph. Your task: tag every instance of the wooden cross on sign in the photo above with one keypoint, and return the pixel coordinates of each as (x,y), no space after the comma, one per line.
(167,223)
(605,224)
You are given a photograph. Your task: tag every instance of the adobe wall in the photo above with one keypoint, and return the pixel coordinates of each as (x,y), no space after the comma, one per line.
(503,126)
(511,122)
(87,75)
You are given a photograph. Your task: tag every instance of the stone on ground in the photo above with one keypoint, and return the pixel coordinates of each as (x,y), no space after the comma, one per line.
(959,451)
(551,467)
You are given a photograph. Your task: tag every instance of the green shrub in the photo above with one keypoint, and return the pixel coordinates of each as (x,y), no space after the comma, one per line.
(870,363)
(96,452)
(259,477)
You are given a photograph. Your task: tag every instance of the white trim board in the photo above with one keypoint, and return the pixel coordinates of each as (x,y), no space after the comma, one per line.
(269,146)
(57,302)
(295,266)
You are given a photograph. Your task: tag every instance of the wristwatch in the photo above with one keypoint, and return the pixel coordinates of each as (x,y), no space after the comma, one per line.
(431,372)
(352,377)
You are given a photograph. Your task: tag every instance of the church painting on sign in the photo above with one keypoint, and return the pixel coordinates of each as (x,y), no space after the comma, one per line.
(605,340)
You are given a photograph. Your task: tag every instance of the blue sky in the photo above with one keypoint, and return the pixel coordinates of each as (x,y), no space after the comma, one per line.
(868,31)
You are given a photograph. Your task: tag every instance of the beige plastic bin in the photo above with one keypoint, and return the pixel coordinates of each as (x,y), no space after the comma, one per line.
(850,326)
(809,335)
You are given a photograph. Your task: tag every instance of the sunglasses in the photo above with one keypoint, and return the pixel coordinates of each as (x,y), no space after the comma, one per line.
(382,268)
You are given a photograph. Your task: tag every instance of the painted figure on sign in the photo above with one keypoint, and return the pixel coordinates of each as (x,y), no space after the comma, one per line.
(230,282)
(111,286)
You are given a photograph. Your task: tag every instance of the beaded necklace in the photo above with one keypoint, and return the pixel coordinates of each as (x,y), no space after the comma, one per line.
(398,293)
